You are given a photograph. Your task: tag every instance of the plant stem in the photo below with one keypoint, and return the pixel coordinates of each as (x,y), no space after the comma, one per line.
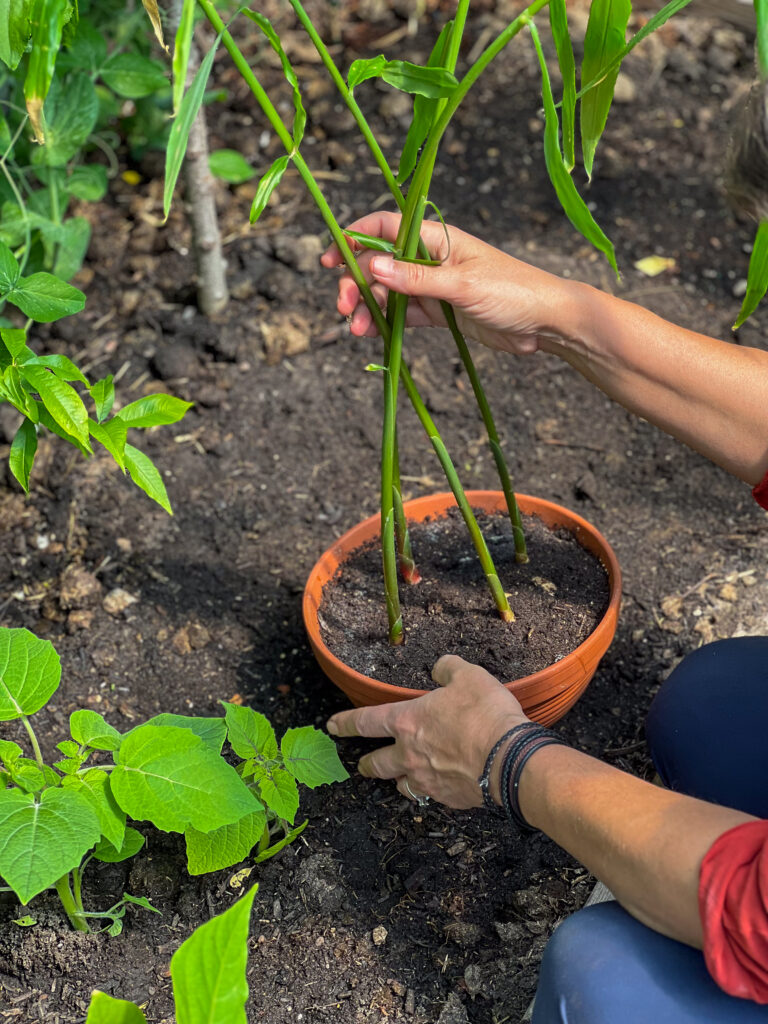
(74,910)
(33,740)
(521,553)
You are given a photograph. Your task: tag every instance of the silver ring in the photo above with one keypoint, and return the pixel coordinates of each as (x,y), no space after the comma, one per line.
(422,801)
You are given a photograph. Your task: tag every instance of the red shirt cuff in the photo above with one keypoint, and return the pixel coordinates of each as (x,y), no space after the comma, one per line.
(733,904)
(760,493)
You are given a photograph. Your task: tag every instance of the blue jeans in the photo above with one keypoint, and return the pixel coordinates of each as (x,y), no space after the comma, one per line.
(707,730)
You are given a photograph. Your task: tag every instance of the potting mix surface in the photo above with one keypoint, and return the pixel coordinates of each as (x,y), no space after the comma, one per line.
(380,911)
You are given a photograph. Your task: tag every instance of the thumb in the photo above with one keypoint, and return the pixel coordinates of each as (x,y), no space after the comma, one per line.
(414,278)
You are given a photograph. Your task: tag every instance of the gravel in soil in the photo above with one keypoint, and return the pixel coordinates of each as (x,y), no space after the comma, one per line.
(557,597)
(380,910)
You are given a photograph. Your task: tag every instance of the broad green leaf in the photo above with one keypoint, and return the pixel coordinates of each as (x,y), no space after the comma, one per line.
(68,766)
(70,118)
(12,389)
(434,83)
(134,76)
(72,247)
(85,51)
(10,753)
(172,778)
(300,117)
(60,399)
(112,436)
(9,269)
(46,21)
(267,186)
(45,298)
(182,124)
(280,793)
(115,853)
(68,748)
(213,731)
(225,846)
(104,1009)
(146,476)
(91,730)
(30,671)
(424,110)
(249,732)
(208,970)
(15,340)
(43,839)
(22,454)
(231,166)
(361,70)
(757,276)
(574,206)
(181,50)
(103,395)
(88,181)
(658,19)
(27,774)
(558,19)
(312,757)
(281,844)
(14,30)
(154,410)
(605,38)
(62,367)
(94,786)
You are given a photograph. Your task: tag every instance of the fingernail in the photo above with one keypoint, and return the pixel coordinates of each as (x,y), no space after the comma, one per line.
(382,265)
(332,727)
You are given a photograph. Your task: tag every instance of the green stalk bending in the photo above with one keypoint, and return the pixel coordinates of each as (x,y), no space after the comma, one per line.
(521,552)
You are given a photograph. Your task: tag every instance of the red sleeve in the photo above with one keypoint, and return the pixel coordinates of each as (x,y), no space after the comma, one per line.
(760,493)
(733,903)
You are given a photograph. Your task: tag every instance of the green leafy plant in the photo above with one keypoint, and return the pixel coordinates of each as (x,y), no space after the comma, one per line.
(170,772)
(208,973)
(437,93)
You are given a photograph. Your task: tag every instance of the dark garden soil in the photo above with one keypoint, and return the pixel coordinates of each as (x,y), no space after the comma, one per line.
(557,597)
(380,910)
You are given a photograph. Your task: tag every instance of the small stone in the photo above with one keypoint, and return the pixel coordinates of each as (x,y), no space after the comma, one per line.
(79,588)
(397,986)
(410,1002)
(464,933)
(728,592)
(285,335)
(740,288)
(453,1011)
(379,935)
(199,636)
(473,979)
(508,931)
(124,545)
(457,848)
(80,619)
(180,642)
(625,90)
(118,600)
(302,253)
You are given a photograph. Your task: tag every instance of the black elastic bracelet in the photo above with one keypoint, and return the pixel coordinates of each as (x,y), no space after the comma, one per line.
(511,793)
(484,779)
(510,758)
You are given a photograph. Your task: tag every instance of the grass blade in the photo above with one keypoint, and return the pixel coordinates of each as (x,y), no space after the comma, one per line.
(757,277)
(605,38)
(558,19)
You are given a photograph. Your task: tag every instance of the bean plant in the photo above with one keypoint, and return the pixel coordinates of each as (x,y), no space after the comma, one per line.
(208,973)
(438,92)
(169,771)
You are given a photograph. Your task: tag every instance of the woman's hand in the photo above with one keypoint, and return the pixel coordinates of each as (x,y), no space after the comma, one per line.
(499,301)
(441,740)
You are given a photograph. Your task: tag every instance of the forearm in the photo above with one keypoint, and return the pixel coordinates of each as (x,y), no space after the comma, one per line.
(711,394)
(644,842)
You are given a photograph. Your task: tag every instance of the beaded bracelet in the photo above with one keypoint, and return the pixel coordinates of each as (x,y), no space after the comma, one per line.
(525,730)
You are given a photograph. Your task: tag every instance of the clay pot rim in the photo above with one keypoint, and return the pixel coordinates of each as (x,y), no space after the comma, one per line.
(537,688)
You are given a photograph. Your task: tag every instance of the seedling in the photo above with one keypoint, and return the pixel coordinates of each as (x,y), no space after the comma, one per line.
(208,972)
(169,772)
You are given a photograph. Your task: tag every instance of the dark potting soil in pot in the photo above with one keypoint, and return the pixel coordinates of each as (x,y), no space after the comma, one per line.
(558,598)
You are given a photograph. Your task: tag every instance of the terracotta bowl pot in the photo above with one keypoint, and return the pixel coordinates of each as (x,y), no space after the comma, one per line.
(545,695)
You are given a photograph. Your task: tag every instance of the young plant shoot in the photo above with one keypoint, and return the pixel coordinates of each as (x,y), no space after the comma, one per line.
(55,818)
(437,93)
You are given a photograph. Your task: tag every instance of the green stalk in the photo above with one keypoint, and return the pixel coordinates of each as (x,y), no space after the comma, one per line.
(761,42)
(500,598)
(73,911)
(521,553)
(403,539)
(33,740)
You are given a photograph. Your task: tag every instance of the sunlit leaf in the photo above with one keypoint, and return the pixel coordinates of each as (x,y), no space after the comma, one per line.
(22,454)
(558,19)
(267,186)
(757,277)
